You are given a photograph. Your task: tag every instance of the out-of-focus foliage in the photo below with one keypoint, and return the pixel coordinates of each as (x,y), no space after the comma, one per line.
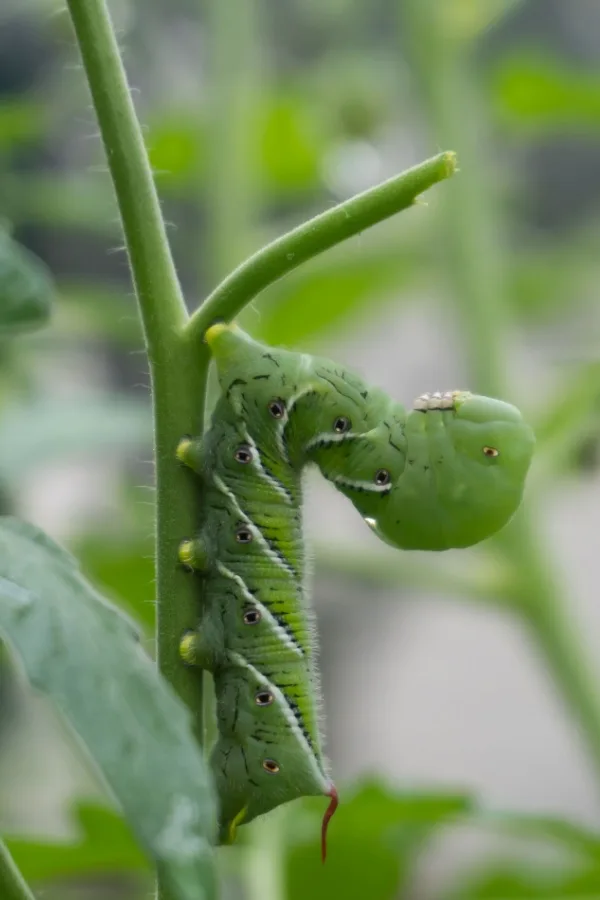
(372,849)
(85,655)
(103,843)
(26,289)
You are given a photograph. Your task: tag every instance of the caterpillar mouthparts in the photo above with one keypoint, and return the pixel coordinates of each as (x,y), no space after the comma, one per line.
(436,400)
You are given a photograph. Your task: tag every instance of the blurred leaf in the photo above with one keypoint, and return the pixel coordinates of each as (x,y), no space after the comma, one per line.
(291,144)
(176,148)
(26,289)
(518,881)
(541,279)
(62,201)
(466,19)
(574,874)
(322,295)
(98,310)
(572,836)
(123,568)
(20,122)
(571,417)
(542,93)
(85,655)
(35,433)
(104,844)
(372,843)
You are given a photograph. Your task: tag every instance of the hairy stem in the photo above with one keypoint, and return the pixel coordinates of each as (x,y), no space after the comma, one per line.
(315,236)
(178,370)
(12,886)
(476,266)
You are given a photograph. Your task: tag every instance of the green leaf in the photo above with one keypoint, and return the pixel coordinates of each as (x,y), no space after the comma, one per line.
(34,433)
(123,568)
(86,656)
(291,143)
(21,122)
(542,93)
(324,294)
(503,880)
(26,290)
(570,835)
(372,843)
(573,873)
(104,844)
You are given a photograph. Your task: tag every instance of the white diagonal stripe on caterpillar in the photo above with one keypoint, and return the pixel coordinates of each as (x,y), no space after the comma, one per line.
(330,437)
(238,659)
(285,419)
(268,616)
(259,467)
(271,553)
(360,485)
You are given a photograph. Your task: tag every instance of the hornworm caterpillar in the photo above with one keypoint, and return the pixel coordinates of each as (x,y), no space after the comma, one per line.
(447,474)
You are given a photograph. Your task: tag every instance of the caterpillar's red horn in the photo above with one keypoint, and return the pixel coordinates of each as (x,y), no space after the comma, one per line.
(328,814)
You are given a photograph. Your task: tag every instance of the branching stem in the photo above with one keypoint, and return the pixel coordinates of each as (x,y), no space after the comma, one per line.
(315,236)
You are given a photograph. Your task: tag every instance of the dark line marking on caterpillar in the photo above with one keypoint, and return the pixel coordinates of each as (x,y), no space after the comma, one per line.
(272,358)
(336,388)
(245,761)
(260,377)
(364,395)
(233,384)
(395,446)
(392,444)
(237,711)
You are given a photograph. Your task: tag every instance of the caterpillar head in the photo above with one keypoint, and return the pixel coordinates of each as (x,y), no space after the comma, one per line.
(457,477)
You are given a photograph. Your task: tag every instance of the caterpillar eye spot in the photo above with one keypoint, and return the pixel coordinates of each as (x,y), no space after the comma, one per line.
(490,451)
(270,766)
(243,535)
(382,477)
(342,424)
(276,408)
(251,617)
(264,698)
(243,454)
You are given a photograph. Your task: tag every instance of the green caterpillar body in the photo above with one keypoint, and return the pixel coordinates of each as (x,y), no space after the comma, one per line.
(447,474)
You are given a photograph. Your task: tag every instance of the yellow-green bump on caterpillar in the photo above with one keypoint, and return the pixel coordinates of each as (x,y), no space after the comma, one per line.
(449,473)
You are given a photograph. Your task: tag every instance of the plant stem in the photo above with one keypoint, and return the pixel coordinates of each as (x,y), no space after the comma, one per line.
(12,886)
(178,369)
(476,267)
(314,237)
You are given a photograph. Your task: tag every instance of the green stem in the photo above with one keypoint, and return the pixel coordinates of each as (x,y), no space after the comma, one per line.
(476,266)
(12,885)
(314,237)
(178,369)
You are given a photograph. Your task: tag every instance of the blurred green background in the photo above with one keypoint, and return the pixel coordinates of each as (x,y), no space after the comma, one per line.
(461,690)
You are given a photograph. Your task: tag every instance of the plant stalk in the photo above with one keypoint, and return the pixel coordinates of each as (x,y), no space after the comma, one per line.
(314,237)
(12,885)
(178,370)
